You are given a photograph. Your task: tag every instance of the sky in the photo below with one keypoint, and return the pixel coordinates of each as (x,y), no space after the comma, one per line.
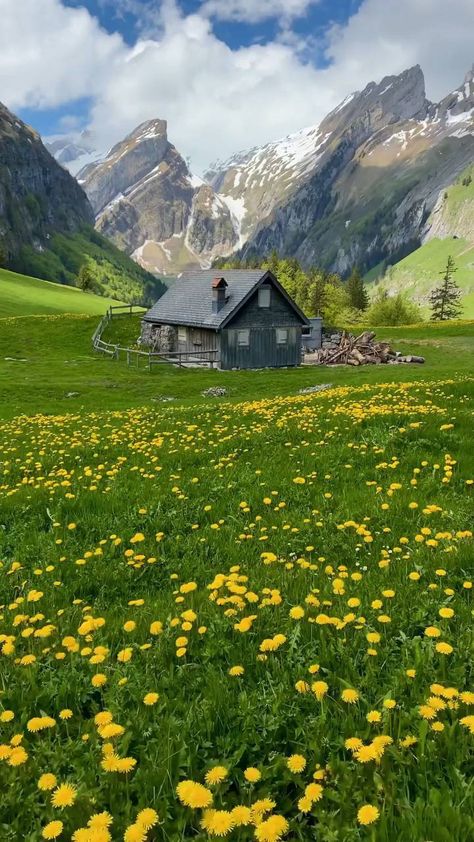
(226,74)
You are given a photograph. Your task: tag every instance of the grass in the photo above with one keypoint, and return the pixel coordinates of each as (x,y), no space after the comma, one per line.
(417,274)
(112,272)
(60,361)
(30,296)
(214,576)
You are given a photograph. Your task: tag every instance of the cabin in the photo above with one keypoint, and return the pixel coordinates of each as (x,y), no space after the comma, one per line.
(235,318)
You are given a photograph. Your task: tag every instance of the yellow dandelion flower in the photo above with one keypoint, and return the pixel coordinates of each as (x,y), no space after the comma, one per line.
(350,696)
(367,814)
(216,775)
(52,830)
(252,775)
(150,699)
(272,829)
(47,781)
(296,763)
(193,794)
(148,818)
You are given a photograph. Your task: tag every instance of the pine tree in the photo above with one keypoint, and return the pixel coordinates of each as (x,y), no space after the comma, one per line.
(316,293)
(356,290)
(444,299)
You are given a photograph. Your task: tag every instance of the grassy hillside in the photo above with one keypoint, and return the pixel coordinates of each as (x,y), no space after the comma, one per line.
(417,274)
(114,273)
(451,231)
(21,295)
(262,604)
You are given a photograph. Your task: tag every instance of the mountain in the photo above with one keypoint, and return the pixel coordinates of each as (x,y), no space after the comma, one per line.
(37,197)
(449,231)
(74,151)
(46,222)
(147,201)
(356,189)
(359,187)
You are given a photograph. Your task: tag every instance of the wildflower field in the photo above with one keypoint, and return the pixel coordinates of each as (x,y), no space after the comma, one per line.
(249,620)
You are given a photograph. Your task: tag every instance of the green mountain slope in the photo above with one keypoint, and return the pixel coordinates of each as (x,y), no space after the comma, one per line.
(46,222)
(449,231)
(114,274)
(21,295)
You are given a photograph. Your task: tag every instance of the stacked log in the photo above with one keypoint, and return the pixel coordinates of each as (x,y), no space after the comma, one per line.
(347,349)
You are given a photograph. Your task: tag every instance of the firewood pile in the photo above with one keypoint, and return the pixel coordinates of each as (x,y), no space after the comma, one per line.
(346,349)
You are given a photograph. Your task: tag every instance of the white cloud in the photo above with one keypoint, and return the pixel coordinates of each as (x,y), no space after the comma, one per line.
(217,99)
(387,36)
(253,11)
(50,55)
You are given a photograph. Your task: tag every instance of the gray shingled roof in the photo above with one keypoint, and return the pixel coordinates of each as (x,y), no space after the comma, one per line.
(189,300)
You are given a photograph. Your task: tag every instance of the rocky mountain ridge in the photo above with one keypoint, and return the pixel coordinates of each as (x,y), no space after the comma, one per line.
(357,188)
(149,203)
(37,196)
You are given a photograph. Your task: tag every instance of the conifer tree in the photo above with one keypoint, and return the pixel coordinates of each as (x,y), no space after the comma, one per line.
(357,292)
(444,299)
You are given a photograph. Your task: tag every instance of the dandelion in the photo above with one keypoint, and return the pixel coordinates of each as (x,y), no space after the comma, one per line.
(147,818)
(17,756)
(241,816)
(367,814)
(296,763)
(444,648)
(468,722)
(150,699)
(52,830)
(272,829)
(65,714)
(47,781)
(252,775)
(319,688)
(237,670)
(218,822)
(216,775)
(64,796)
(135,833)
(350,696)
(193,794)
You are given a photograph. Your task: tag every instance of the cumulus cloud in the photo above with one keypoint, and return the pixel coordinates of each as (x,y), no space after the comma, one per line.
(50,54)
(217,99)
(387,36)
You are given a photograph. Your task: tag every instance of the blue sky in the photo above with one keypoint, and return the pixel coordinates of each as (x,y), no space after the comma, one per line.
(118,17)
(225,74)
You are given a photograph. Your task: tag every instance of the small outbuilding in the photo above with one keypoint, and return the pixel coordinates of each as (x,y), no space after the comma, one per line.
(236,318)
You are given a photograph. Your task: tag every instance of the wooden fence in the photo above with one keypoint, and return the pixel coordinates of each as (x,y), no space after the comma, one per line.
(150,358)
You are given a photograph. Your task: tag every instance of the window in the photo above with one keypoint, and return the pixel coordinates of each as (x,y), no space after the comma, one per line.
(264,297)
(282,335)
(243,338)
(182,334)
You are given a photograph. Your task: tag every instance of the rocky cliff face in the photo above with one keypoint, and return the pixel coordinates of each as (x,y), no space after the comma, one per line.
(358,188)
(37,196)
(149,204)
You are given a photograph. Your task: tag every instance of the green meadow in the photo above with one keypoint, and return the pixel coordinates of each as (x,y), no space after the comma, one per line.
(246,617)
